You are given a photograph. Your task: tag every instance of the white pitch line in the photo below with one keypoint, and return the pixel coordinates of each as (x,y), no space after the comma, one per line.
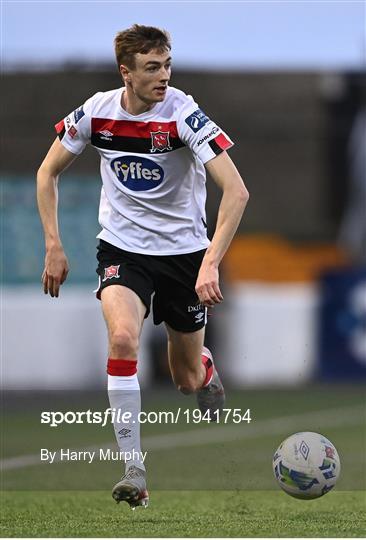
(224,433)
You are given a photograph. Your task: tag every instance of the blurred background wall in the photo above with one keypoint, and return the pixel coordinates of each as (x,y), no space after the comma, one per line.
(294,278)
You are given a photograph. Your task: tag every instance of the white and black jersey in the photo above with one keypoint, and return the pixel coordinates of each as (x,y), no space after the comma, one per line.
(152,167)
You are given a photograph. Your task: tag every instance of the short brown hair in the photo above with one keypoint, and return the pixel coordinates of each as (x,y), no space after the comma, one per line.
(139,39)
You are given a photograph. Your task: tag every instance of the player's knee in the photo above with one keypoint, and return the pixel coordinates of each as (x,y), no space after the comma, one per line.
(123,344)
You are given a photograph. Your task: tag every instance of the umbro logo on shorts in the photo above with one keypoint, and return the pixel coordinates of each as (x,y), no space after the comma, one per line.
(199,317)
(111,272)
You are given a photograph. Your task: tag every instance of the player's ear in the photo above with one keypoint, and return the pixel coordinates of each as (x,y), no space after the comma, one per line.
(125,72)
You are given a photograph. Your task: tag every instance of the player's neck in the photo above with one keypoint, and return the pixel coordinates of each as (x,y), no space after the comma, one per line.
(134,105)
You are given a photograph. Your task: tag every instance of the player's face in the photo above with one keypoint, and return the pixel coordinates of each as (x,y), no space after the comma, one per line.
(149,80)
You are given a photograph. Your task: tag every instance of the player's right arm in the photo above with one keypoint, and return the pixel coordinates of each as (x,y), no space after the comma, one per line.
(73,134)
(56,266)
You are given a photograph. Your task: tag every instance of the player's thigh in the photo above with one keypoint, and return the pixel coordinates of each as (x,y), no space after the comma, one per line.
(123,310)
(185,350)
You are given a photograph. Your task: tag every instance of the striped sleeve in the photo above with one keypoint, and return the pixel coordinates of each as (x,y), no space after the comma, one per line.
(74,130)
(205,138)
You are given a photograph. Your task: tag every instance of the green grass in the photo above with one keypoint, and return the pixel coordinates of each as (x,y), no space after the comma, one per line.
(241,497)
(183,514)
(244,461)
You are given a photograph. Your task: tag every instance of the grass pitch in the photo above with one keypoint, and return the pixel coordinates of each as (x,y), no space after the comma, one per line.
(184,514)
(232,463)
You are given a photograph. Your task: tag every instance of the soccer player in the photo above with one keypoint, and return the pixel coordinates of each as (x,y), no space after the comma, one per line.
(155,144)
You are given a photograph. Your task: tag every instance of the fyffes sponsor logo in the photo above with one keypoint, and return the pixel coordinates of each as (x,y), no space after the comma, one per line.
(137,174)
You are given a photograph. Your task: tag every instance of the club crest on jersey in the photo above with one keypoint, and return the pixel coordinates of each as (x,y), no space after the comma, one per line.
(111,272)
(160,141)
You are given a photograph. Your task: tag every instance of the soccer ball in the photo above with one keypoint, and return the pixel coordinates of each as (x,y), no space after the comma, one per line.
(306,465)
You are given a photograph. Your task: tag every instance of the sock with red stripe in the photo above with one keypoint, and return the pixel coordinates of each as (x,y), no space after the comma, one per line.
(208,364)
(124,395)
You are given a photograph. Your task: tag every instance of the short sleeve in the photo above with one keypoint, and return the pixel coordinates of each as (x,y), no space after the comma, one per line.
(75,129)
(205,138)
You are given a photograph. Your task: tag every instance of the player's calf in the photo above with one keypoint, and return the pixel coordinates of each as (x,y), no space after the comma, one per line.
(211,396)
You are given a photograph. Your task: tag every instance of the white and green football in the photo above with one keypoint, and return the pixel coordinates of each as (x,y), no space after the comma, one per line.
(306,465)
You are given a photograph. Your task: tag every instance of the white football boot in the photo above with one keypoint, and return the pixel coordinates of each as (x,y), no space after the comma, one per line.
(132,488)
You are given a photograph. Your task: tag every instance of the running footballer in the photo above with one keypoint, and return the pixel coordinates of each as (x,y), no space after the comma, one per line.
(155,146)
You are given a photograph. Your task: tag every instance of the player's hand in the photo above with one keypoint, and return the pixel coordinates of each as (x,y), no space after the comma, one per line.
(55,270)
(207,285)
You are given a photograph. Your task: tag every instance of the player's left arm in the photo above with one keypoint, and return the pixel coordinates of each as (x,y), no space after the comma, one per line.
(233,202)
